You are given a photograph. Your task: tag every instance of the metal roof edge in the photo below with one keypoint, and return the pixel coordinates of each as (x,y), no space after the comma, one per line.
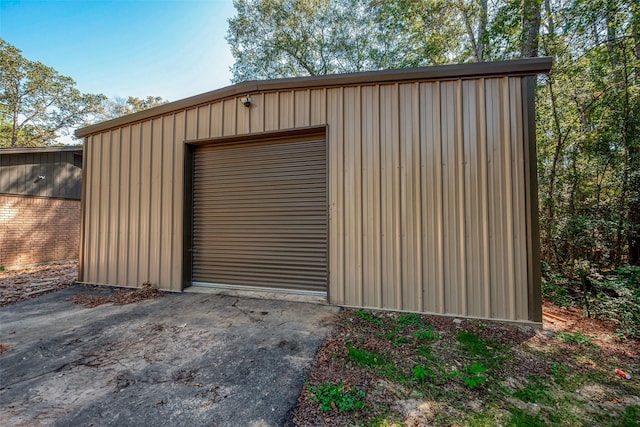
(527,66)
(26,150)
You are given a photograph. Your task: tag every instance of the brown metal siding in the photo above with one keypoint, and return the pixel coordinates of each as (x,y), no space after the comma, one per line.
(429,192)
(259,215)
(133,196)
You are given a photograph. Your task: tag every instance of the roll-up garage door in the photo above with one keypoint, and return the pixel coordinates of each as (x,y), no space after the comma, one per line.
(260,215)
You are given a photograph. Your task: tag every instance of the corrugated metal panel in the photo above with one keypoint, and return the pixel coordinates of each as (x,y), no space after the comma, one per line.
(20,171)
(429,192)
(259,215)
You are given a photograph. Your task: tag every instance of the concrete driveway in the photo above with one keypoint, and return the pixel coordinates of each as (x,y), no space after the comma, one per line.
(181,360)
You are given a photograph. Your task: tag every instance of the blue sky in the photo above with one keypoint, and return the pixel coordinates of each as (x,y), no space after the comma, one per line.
(168,48)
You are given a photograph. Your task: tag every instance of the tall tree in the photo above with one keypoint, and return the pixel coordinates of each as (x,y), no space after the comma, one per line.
(37,104)
(118,107)
(285,38)
(530,27)
(588,107)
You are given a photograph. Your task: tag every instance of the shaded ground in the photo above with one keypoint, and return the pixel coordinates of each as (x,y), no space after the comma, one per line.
(382,369)
(184,359)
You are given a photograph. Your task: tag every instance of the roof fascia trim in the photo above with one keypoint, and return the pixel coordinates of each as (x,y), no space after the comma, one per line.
(528,66)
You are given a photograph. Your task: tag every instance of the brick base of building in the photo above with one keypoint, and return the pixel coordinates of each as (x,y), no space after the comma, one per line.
(38,230)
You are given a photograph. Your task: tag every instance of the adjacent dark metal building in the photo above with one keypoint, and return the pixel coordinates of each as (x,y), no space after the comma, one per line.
(40,191)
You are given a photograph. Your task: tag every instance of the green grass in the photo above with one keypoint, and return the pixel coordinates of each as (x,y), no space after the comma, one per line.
(631,416)
(397,340)
(534,392)
(369,317)
(365,358)
(450,369)
(577,338)
(520,418)
(474,375)
(424,374)
(408,319)
(427,334)
(475,345)
(336,396)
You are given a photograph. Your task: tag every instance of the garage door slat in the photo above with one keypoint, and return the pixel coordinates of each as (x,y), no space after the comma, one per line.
(259,215)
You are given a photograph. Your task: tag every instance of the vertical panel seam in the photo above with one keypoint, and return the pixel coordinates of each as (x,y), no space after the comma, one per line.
(509,196)
(461,198)
(417,136)
(174,144)
(398,208)
(440,201)
(108,237)
(222,132)
(360,214)
(342,204)
(99,216)
(117,218)
(128,224)
(380,293)
(485,193)
(309,106)
(151,168)
(161,210)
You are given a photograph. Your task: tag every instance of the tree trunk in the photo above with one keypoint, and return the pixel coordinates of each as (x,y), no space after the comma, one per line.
(530,28)
(550,25)
(611,33)
(550,220)
(14,129)
(482,31)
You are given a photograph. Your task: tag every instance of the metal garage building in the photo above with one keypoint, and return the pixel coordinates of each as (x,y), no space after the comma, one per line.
(407,190)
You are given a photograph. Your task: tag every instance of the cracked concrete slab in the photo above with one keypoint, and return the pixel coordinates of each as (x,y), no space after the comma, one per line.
(182,360)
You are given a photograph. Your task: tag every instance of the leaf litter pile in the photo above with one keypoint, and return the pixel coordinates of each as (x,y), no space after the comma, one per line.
(24,284)
(20,285)
(404,369)
(120,297)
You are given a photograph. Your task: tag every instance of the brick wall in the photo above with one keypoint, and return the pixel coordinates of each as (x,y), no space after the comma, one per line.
(38,230)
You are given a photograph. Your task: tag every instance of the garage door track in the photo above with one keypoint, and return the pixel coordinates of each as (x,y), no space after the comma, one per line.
(180,360)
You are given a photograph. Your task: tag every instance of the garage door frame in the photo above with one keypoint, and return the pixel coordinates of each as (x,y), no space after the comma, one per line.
(189,165)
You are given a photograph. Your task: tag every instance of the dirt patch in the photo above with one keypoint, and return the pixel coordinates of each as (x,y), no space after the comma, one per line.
(20,285)
(600,332)
(121,297)
(184,359)
(431,370)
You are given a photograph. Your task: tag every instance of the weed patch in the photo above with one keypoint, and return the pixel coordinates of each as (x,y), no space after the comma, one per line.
(521,418)
(423,374)
(534,392)
(369,317)
(408,319)
(430,371)
(577,338)
(337,397)
(427,334)
(365,358)
(475,375)
(478,347)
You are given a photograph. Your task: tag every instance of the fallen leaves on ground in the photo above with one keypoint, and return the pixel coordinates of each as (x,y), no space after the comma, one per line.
(431,370)
(20,285)
(121,297)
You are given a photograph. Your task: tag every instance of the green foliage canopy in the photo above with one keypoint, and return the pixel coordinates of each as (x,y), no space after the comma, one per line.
(37,104)
(588,108)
